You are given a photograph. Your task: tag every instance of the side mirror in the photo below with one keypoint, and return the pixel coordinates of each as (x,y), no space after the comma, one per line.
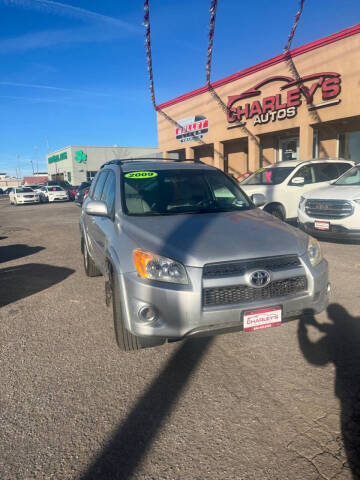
(298,181)
(258,199)
(97,208)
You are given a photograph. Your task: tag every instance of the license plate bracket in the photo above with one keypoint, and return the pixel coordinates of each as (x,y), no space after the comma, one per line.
(261,319)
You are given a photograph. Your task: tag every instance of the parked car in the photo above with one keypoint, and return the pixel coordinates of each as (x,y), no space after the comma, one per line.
(53,193)
(70,189)
(283,183)
(22,195)
(1,191)
(185,252)
(82,191)
(8,190)
(333,211)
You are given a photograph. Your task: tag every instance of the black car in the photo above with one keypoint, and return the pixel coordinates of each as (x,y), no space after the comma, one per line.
(1,191)
(81,192)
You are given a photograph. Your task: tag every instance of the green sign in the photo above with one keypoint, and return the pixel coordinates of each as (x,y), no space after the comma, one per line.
(140,175)
(58,157)
(80,156)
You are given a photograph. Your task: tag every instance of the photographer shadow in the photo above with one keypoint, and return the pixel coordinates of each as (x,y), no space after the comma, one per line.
(341,346)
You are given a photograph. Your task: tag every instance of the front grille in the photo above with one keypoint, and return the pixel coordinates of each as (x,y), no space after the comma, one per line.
(244,293)
(240,267)
(328,209)
(28,196)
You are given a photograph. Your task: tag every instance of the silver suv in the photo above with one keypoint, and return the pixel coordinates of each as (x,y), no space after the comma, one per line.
(185,252)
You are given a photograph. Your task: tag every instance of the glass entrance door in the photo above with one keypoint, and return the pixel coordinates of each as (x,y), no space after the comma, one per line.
(288,149)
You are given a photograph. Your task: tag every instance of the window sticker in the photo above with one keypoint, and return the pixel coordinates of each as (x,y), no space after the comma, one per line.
(140,175)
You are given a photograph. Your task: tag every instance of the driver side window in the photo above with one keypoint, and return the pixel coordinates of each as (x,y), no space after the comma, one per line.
(307,172)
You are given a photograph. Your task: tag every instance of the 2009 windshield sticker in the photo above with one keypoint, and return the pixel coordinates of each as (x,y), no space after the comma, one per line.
(140,175)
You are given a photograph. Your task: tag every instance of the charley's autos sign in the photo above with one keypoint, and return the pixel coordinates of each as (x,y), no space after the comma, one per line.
(192,128)
(284,104)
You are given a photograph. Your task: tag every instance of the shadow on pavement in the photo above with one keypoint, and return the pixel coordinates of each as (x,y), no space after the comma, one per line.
(24,280)
(340,345)
(13,252)
(129,444)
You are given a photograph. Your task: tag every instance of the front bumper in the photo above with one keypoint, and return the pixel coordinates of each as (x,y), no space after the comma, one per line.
(181,313)
(27,200)
(339,229)
(58,199)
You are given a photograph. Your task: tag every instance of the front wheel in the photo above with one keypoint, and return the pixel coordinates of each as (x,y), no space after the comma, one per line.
(127,341)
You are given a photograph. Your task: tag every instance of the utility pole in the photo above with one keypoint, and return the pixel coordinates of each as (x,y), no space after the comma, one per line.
(36,159)
(32,164)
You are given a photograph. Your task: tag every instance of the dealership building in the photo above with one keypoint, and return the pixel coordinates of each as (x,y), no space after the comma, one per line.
(80,163)
(301,105)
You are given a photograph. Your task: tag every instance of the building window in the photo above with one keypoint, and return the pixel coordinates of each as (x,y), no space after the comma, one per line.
(288,148)
(349,146)
(316,143)
(69,177)
(90,175)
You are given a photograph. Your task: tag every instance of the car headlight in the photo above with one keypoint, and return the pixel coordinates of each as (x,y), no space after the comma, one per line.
(302,202)
(155,267)
(357,201)
(314,251)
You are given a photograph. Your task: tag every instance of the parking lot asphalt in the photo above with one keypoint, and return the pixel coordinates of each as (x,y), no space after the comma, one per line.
(278,404)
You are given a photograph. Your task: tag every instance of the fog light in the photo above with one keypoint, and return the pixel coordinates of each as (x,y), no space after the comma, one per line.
(147,314)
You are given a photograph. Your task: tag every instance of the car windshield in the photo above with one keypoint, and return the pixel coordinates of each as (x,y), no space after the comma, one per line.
(55,189)
(24,190)
(268,176)
(351,177)
(170,192)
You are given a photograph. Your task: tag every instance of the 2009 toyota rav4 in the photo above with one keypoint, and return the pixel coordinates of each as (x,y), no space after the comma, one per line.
(185,252)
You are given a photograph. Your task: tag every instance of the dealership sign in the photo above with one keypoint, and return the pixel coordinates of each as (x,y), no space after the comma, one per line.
(192,128)
(58,157)
(285,103)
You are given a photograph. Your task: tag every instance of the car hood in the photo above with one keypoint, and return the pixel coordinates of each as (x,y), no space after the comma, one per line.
(21,194)
(251,189)
(335,192)
(197,239)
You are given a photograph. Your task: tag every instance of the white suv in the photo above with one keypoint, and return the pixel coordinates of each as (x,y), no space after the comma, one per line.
(284,183)
(333,211)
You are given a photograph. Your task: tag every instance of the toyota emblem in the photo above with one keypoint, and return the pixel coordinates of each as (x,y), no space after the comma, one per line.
(260,278)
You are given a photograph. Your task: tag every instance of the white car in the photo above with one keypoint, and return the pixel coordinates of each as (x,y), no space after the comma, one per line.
(53,193)
(333,211)
(22,195)
(284,183)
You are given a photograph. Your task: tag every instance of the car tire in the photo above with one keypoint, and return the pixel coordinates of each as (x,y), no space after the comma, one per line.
(89,266)
(277,211)
(126,341)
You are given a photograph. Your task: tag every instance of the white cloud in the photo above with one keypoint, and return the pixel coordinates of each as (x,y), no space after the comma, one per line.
(50,38)
(64,9)
(52,88)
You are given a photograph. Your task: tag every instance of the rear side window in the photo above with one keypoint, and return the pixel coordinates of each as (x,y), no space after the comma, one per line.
(343,167)
(99,186)
(325,172)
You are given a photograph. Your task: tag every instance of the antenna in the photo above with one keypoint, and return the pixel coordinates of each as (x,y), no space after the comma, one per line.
(47,144)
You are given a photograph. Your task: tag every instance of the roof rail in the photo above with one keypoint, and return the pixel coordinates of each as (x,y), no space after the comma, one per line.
(147,159)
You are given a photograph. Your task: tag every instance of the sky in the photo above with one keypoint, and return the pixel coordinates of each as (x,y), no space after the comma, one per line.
(74,72)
